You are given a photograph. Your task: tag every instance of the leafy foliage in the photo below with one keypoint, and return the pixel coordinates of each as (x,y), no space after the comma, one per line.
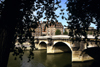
(58,32)
(90,33)
(65,32)
(81,15)
(29,21)
(24,19)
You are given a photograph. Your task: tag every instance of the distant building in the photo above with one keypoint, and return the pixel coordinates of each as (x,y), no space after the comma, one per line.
(38,31)
(51,29)
(59,26)
(43,30)
(43,26)
(90,30)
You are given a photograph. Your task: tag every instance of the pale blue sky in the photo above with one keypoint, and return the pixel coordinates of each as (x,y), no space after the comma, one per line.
(63,21)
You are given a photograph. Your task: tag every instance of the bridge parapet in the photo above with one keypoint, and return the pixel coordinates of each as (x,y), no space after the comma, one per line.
(63,37)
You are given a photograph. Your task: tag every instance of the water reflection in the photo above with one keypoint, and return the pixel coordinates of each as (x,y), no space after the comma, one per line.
(42,59)
(82,64)
(58,60)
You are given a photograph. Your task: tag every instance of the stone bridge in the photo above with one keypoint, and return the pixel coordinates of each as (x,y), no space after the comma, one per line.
(62,43)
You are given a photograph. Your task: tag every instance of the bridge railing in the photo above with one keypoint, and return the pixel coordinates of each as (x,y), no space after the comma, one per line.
(63,37)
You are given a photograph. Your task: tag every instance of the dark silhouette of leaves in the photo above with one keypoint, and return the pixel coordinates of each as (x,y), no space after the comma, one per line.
(20,19)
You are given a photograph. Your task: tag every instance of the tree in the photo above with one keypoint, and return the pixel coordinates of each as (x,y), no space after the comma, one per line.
(15,20)
(90,33)
(7,25)
(81,15)
(65,32)
(58,32)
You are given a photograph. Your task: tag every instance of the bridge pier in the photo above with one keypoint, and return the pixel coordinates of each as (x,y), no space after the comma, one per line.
(49,49)
(77,57)
(36,46)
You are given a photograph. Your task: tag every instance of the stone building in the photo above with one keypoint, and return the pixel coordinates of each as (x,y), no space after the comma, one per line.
(53,27)
(38,31)
(43,28)
(59,26)
(50,29)
(89,32)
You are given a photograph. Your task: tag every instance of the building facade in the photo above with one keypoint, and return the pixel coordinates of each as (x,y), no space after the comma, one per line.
(47,29)
(51,29)
(43,28)
(89,32)
(59,26)
(38,31)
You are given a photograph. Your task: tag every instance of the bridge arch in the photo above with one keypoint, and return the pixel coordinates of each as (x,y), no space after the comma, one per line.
(66,43)
(42,45)
(44,42)
(61,47)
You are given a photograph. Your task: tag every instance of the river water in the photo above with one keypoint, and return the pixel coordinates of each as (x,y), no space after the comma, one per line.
(42,59)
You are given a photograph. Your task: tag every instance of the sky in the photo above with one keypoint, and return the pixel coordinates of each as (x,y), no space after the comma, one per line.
(63,21)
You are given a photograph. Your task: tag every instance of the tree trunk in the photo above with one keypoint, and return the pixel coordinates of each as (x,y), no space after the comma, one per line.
(5,42)
(7,29)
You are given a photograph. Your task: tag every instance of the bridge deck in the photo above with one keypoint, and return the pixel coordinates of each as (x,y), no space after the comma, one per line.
(63,37)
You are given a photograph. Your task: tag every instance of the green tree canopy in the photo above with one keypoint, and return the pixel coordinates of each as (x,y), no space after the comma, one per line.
(65,32)
(58,32)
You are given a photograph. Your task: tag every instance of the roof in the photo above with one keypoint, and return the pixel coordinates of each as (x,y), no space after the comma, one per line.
(55,24)
(59,24)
